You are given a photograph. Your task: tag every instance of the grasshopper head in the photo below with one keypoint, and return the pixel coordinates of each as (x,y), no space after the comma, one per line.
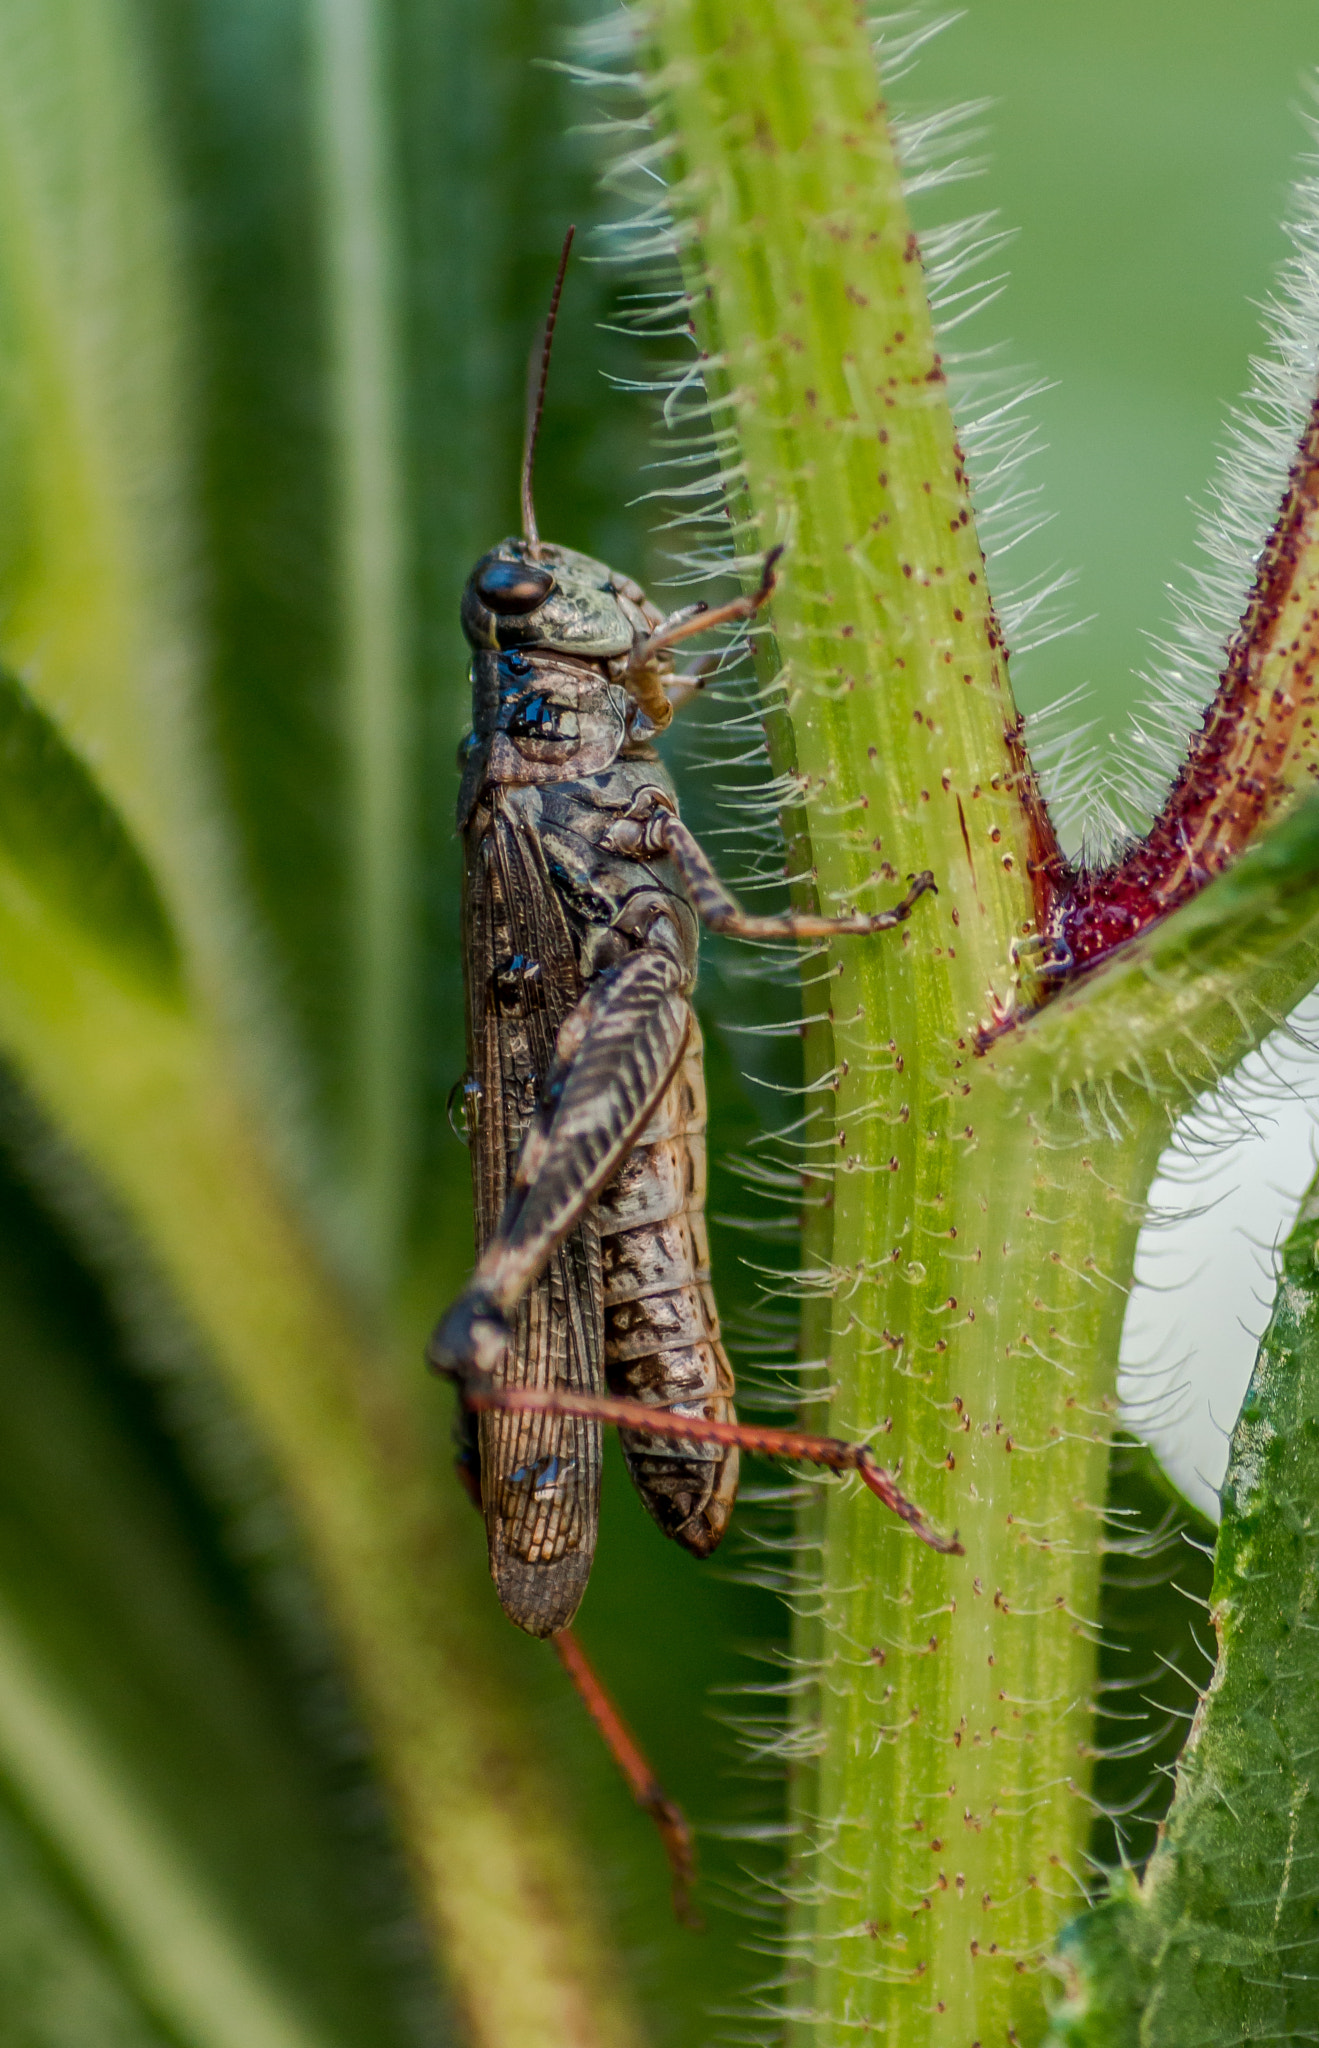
(525,595)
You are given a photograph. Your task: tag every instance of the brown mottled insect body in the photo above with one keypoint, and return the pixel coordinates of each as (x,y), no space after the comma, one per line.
(583,890)
(581,955)
(662,1341)
(591,1300)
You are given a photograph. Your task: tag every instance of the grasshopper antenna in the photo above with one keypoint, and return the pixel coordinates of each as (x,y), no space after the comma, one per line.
(536,399)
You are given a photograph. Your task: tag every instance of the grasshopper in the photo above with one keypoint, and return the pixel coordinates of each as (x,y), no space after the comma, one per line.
(591,1302)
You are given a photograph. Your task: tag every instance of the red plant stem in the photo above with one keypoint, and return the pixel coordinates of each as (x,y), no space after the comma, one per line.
(1246,757)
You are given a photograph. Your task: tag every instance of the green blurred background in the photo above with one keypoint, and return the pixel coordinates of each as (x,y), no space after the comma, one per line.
(1144,155)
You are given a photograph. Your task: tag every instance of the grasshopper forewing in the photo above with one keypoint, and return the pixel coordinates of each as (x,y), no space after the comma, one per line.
(591,1301)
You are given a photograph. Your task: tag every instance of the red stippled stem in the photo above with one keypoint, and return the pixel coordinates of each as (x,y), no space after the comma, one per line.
(1245,755)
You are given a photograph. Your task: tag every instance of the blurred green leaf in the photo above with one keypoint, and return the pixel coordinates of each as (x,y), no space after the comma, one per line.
(161,1745)
(60,1986)
(67,842)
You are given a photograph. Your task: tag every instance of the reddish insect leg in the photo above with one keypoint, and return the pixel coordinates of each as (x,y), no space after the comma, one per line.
(832,1452)
(674,1830)
(698,618)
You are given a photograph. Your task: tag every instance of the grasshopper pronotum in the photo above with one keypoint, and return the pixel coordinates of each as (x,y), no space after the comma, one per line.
(591,1300)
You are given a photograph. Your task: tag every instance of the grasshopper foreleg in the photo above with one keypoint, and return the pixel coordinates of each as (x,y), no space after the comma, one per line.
(694,619)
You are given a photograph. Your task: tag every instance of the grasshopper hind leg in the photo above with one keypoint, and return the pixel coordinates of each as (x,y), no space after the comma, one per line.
(532,1317)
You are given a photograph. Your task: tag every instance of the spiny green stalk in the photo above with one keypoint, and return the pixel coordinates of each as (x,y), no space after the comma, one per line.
(980,1241)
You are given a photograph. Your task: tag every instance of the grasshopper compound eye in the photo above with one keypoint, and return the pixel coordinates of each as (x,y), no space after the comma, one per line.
(513,587)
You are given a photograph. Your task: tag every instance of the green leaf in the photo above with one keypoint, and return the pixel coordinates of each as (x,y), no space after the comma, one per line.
(158,1739)
(1153,1625)
(191,373)
(60,1986)
(69,845)
(1219,1942)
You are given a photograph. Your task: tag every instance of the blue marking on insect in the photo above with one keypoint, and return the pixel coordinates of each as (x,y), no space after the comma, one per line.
(536,714)
(517,983)
(541,717)
(545,1474)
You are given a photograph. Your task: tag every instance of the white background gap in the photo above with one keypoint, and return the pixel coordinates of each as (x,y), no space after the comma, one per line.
(1205,1282)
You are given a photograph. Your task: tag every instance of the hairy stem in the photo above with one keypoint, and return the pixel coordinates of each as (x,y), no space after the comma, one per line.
(969,1264)
(973,1269)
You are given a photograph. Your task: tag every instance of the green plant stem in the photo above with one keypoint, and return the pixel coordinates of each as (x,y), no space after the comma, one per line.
(978,1254)
(968,1276)
(147,1098)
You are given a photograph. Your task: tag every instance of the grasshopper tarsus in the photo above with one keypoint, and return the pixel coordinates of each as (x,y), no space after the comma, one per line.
(674,1828)
(884,1487)
(701,618)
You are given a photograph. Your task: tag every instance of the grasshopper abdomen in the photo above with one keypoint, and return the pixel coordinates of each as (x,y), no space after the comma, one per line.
(662,1338)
